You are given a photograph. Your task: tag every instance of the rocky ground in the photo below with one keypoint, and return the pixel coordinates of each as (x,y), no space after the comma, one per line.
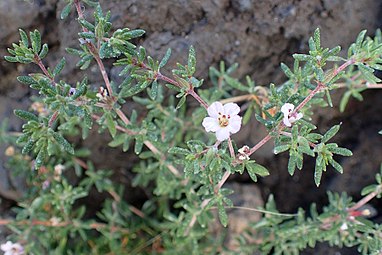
(257,34)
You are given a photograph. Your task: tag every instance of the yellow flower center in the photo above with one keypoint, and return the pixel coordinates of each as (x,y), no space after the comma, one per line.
(223,120)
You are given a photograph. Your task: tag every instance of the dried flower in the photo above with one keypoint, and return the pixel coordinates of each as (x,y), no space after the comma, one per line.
(243,153)
(39,108)
(45,184)
(55,221)
(58,172)
(289,116)
(10,248)
(224,120)
(102,94)
(10,151)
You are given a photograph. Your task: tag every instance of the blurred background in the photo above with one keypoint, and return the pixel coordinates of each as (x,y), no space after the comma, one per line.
(258,35)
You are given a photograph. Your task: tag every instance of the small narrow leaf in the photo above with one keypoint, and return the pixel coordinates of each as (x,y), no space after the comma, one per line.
(320,167)
(128,92)
(36,41)
(65,12)
(191,61)
(57,70)
(164,60)
(342,151)
(24,38)
(138,146)
(181,102)
(44,51)
(330,133)
(281,148)
(255,169)
(153,92)
(28,147)
(336,166)
(178,150)
(344,100)
(63,142)
(110,124)
(223,217)
(26,115)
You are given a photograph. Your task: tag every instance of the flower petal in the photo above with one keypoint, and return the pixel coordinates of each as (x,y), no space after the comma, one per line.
(287,108)
(286,121)
(210,124)
(234,124)
(231,109)
(299,116)
(214,109)
(222,134)
(6,246)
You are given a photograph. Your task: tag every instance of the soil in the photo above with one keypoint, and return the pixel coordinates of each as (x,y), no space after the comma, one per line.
(256,34)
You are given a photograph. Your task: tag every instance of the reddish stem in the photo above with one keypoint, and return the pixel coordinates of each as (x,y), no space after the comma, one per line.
(53,119)
(94,50)
(259,144)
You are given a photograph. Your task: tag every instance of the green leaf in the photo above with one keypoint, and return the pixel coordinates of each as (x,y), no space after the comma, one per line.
(359,39)
(329,97)
(234,83)
(292,163)
(110,124)
(178,150)
(28,146)
(281,148)
(302,57)
(191,61)
(316,37)
(65,12)
(153,92)
(26,115)
(24,38)
(138,146)
(320,167)
(367,73)
(63,142)
(86,35)
(166,57)
(255,169)
(44,51)
(128,92)
(11,59)
(286,70)
(57,70)
(223,217)
(342,151)
(181,102)
(41,156)
(248,114)
(336,166)
(344,100)
(36,41)
(86,24)
(27,80)
(369,189)
(330,133)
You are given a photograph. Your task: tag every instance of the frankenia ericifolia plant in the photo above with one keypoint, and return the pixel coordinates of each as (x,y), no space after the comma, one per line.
(185,154)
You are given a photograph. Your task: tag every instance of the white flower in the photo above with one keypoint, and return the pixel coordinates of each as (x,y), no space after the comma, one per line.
(243,153)
(223,120)
(289,116)
(10,248)
(344,226)
(102,94)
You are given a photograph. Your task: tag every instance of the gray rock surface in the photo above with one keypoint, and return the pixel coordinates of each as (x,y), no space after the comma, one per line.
(257,34)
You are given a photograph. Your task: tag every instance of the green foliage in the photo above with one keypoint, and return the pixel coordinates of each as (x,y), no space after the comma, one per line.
(180,168)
